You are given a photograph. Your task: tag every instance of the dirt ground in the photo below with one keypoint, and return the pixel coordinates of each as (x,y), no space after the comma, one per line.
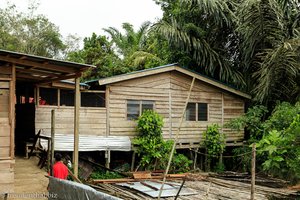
(30,180)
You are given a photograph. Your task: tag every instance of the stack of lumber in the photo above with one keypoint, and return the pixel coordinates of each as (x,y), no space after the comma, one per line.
(211,188)
(246,178)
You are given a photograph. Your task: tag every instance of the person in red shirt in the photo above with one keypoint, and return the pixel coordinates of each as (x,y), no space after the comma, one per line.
(59,169)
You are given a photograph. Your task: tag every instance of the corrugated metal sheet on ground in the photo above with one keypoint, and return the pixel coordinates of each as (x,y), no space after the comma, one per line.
(67,190)
(64,142)
(170,189)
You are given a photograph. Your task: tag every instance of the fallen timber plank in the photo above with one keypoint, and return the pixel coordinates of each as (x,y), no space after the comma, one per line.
(117,180)
(122,180)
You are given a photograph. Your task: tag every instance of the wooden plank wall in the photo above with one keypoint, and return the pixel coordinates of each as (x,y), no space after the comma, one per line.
(155,88)
(233,108)
(222,107)
(6,138)
(171,89)
(191,131)
(92,121)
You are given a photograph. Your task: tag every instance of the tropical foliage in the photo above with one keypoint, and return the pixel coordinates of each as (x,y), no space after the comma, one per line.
(277,139)
(253,44)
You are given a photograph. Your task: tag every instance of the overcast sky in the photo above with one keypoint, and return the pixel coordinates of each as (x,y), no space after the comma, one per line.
(83,17)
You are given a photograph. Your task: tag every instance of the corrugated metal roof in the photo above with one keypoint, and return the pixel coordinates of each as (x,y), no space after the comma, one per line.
(40,69)
(65,142)
(35,58)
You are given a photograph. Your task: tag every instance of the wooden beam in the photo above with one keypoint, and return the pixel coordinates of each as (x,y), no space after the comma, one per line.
(76,126)
(170,106)
(64,77)
(27,71)
(52,139)
(5,79)
(49,156)
(12,100)
(107,110)
(33,64)
(252,196)
(29,77)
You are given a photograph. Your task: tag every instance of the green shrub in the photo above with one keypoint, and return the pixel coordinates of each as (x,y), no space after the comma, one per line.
(102,174)
(152,148)
(180,164)
(214,143)
(281,151)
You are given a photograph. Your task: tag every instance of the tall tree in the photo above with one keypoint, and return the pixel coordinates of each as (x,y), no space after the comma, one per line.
(270,48)
(202,31)
(98,51)
(29,33)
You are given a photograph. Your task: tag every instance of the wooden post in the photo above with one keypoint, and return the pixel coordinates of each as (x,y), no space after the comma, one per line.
(170,110)
(253,171)
(107,158)
(221,159)
(52,139)
(49,156)
(76,126)
(133,160)
(12,99)
(196,156)
(37,100)
(107,110)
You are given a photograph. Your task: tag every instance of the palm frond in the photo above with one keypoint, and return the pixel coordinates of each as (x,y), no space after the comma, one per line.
(278,72)
(261,25)
(202,52)
(218,10)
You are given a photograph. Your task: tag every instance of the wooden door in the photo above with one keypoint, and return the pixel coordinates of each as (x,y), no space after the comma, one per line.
(5,125)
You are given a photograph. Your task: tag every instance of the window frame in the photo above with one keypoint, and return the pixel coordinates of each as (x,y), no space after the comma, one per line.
(38,88)
(197,112)
(140,103)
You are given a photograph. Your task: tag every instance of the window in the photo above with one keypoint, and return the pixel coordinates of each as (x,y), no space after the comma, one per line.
(67,97)
(48,96)
(92,99)
(135,108)
(191,112)
(147,105)
(202,111)
(197,112)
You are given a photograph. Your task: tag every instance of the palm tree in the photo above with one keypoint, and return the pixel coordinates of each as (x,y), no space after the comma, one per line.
(204,30)
(133,46)
(129,42)
(269,31)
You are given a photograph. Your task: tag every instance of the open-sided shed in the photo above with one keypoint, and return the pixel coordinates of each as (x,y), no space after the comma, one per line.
(20,74)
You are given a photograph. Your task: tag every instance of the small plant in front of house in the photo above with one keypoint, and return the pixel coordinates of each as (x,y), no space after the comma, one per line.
(152,148)
(214,143)
(180,164)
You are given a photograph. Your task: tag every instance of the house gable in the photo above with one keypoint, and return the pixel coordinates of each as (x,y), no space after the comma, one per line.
(169,68)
